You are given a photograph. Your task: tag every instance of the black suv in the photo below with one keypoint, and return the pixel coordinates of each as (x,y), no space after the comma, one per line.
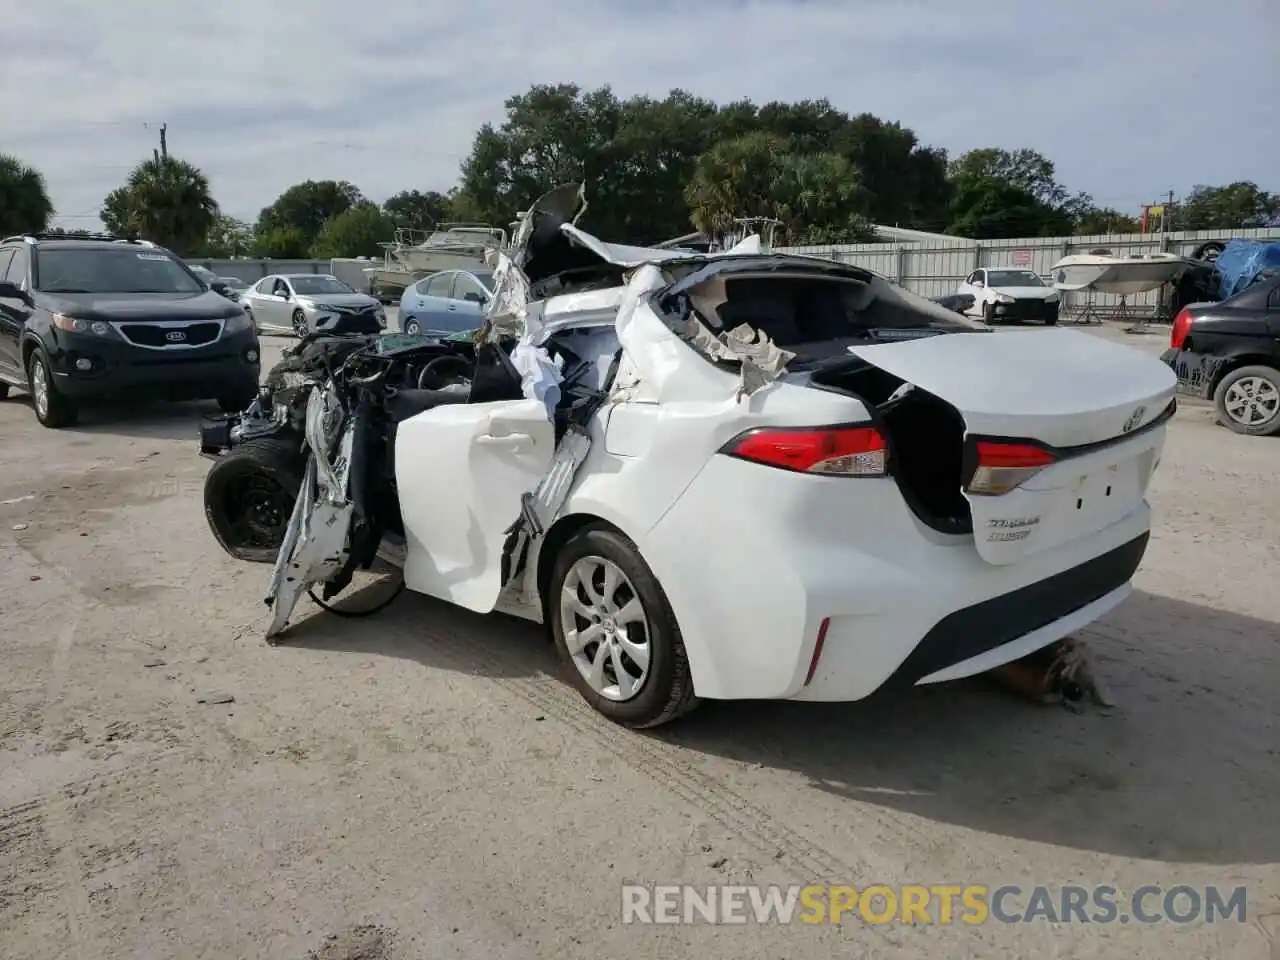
(101,317)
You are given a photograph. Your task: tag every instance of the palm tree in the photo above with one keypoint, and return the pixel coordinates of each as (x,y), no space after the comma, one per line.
(165,200)
(25,206)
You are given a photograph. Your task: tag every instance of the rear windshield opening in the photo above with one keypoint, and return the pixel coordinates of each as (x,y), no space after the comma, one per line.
(814,317)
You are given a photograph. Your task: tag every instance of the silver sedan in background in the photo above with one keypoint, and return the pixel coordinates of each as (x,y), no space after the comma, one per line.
(303,303)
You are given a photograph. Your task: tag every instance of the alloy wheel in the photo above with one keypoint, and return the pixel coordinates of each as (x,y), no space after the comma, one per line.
(606,628)
(40,387)
(1252,401)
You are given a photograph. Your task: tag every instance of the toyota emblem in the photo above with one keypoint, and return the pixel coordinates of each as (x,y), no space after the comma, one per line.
(1135,418)
(175,336)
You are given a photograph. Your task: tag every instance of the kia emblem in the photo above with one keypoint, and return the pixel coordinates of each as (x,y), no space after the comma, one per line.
(175,336)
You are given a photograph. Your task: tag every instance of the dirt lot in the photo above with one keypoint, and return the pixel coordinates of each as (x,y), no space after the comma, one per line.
(421,784)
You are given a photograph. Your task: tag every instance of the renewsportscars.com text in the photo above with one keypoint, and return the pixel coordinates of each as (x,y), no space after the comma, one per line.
(941,904)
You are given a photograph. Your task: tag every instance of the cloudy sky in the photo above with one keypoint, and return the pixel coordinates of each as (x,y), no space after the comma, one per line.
(1131,98)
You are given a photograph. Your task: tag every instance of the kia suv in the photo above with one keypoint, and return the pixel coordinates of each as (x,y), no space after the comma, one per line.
(103,318)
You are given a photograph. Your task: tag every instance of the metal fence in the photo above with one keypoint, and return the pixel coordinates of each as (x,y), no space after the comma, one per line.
(930,268)
(251,271)
(934,269)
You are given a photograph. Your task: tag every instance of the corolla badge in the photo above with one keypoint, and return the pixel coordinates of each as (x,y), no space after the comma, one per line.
(1135,418)
(175,336)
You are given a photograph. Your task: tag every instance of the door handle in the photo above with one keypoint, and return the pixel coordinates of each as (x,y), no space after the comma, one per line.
(453,306)
(506,440)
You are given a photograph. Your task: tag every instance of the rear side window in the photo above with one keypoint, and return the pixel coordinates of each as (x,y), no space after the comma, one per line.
(5,257)
(1273,300)
(439,285)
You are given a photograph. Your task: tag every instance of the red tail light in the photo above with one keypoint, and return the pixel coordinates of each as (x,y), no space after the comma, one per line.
(833,451)
(1005,466)
(1181,327)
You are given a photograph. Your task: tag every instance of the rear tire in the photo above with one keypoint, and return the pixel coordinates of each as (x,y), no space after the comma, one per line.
(665,690)
(1248,401)
(4,391)
(249,495)
(53,409)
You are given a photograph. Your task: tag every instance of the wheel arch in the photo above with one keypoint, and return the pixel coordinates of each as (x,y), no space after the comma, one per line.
(563,530)
(1234,362)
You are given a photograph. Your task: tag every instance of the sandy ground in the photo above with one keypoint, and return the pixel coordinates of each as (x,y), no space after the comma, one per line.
(422,784)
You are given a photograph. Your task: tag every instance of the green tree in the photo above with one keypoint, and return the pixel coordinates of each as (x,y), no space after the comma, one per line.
(735,178)
(165,200)
(1236,205)
(356,232)
(228,237)
(817,196)
(301,211)
(281,243)
(999,194)
(25,206)
(421,211)
(1096,220)
(639,155)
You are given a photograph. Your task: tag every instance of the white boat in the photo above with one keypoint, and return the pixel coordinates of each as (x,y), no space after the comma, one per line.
(1121,276)
(453,246)
(415,254)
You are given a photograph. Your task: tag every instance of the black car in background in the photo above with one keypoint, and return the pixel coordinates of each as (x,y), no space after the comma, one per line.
(100,317)
(1229,352)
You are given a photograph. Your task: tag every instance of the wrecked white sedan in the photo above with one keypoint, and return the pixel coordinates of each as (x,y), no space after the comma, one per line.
(739,475)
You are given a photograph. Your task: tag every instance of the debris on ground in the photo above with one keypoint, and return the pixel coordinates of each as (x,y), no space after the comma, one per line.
(1061,673)
(365,942)
(212,698)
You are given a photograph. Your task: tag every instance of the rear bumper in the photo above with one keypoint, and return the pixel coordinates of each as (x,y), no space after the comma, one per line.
(902,604)
(1197,373)
(120,370)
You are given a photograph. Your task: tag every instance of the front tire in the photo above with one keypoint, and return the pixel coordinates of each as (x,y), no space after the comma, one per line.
(300,323)
(614,628)
(249,495)
(412,327)
(4,391)
(53,409)
(1248,401)
(989,314)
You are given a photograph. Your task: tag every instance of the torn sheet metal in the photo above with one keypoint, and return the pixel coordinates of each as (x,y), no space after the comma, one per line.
(316,544)
(762,360)
(538,509)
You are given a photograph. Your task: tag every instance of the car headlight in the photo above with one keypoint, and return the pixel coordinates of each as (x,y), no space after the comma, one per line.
(78,325)
(238,323)
(1004,298)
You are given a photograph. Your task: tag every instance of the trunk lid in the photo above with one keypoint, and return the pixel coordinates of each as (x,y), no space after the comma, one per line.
(1092,411)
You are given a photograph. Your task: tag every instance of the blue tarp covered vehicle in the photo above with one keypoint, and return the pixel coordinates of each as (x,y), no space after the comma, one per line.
(1241,261)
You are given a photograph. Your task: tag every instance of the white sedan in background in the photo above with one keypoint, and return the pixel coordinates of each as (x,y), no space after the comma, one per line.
(304,303)
(1004,294)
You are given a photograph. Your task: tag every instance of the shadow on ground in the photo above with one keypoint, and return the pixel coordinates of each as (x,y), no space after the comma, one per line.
(156,420)
(1181,771)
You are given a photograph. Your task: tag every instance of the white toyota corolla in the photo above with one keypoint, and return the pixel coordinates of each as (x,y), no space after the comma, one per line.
(802,482)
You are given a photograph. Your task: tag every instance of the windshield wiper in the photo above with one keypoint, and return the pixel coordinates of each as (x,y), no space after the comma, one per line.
(63,290)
